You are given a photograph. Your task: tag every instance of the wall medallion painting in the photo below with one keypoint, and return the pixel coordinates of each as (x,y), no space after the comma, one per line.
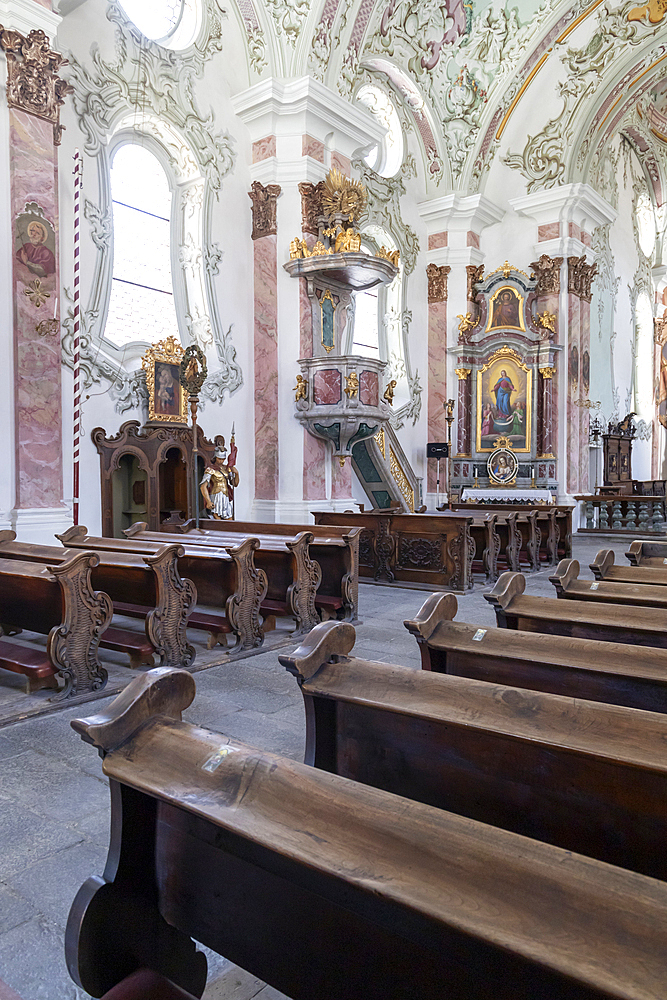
(35,253)
(166,397)
(504,401)
(502,465)
(506,310)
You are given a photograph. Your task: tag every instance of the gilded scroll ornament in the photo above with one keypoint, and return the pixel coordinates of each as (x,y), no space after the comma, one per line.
(264,209)
(392,256)
(437,282)
(475,274)
(32,81)
(311,206)
(653,11)
(342,196)
(463,373)
(351,385)
(547,274)
(547,372)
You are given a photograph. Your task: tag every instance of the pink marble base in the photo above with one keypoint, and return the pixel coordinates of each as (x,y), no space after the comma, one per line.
(266,369)
(327,387)
(37,368)
(437,380)
(368,388)
(314,464)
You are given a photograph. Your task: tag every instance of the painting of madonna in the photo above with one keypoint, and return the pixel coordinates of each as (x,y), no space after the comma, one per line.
(503,405)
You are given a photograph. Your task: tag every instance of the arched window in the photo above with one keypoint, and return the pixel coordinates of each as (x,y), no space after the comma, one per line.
(386,158)
(365,340)
(646,228)
(172,23)
(141,306)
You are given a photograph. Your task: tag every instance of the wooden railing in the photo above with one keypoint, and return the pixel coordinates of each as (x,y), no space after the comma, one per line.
(626,514)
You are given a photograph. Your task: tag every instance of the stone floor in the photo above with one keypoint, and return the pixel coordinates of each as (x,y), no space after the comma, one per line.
(54,801)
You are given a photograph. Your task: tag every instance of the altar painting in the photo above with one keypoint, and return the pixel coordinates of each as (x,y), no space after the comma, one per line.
(504,404)
(505,310)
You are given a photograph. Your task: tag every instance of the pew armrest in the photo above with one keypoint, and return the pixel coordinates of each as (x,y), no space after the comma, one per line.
(326,640)
(509,586)
(160,691)
(567,572)
(602,563)
(137,528)
(435,609)
(634,553)
(7,536)
(76,533)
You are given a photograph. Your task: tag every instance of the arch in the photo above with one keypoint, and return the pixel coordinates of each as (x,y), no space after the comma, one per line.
(174,24)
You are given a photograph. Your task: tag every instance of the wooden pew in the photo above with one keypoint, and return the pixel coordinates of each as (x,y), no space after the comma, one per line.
(57,601)
(487,545)
(569,586)
(326,888)
(413,550)
(617,674)
(151,582)
(651,555)
(225,578)
(533,544)
(336,549)
(553,520)
(604,569)
(585,776)
(293,577)
(639,626)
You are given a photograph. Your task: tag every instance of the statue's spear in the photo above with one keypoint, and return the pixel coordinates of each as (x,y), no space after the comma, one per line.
(192,375)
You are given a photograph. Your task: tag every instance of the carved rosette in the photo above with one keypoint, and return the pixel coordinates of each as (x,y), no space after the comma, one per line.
(264,209)
(437,282)
(244,604)
(311,206)
(301,594)
(73,645)
(475,274)
(547,274)
(33,84)
(580,277)
(166,625)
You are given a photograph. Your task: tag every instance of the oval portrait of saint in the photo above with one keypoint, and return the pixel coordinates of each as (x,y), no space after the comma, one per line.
(502,465)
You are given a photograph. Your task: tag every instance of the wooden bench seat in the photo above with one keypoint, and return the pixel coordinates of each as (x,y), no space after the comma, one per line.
(224,578)
(611,672)
(630,595)
(327,888)
(132,580)
(604,568)
(487,545)
(293,577)
(640,626)
(647,554)
(334,548)
(586,776)
(553,520)
(34,664)
(57,601)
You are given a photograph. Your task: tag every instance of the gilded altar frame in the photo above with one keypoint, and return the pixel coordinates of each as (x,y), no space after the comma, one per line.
(511,359)
(166,397)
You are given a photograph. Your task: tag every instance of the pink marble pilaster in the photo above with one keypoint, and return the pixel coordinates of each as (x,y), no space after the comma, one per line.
(314,459)
(551,231)
(573,388)
(437,240)
(341,479)
(342,163)
(305,321)
(312,147)
(437,380)
(264,149)
(37,356)
(472,239)
(464,418)
(584,413)
(266,368)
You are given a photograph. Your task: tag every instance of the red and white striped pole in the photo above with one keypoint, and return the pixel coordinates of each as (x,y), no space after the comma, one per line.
(78,169)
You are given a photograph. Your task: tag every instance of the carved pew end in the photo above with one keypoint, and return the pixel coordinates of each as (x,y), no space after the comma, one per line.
(435,609)
(602,563)
(566,573)
(509,586)
(326,641)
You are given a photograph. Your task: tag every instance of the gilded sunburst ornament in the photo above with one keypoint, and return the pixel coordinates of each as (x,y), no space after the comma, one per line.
(342,196)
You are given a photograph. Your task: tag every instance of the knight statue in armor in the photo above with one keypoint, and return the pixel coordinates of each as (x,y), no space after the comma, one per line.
(220,478)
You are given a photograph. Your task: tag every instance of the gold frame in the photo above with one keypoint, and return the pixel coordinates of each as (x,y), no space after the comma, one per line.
(511,355)
(501,483)
(489,317)
(168,352)
(329,296)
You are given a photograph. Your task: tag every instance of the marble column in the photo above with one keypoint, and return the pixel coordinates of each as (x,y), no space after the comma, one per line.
(264,229)
(464,418)
(437,352)
(546,416)
(33,95)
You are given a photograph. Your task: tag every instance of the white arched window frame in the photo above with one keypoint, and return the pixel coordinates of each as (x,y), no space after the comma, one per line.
(190,219)
(391,334)
(174,24)
(387,157)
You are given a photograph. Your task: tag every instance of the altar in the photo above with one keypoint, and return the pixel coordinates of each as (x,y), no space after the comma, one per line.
(507,496)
